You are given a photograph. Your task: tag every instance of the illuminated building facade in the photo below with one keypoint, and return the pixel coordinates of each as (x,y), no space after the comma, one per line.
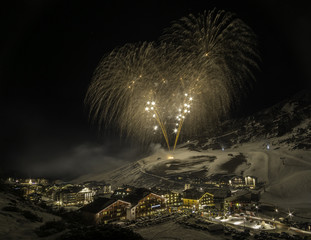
(237,181)
(74,196)
(244,200)
(105,210)
(115,211)
(173,199)
(149,205)
(107,188)
(250,181)
(197,200)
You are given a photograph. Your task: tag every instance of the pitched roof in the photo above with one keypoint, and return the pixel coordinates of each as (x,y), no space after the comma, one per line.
(241,195)
(162,191)
(219,192)
(136,195)
(98,205)
(193,194)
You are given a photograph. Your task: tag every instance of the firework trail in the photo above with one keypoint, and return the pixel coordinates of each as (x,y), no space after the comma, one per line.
(193,77)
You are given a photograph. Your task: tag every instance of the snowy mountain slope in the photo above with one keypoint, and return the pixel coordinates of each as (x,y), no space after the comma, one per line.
(17,219)
(287,123)
(277,168)
(287,174)
(273,145)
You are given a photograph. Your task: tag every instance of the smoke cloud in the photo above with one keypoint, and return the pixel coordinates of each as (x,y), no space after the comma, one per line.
(82,159)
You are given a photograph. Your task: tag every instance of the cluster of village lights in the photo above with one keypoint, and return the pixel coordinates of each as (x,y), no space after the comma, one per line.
(182,112)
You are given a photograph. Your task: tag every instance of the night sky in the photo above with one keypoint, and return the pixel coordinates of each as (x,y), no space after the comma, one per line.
(50,49)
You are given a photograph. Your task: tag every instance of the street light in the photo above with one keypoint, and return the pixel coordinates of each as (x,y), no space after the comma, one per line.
(276,211)
(290,215)
(257,210)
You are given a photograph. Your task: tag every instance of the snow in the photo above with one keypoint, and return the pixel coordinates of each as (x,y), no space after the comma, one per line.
(284,167)
(289,107)
(171,230)
(241,221)
(286,173)
(15,226)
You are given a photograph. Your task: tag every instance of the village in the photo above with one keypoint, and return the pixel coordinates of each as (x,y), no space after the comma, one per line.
(101,203)
(212,203)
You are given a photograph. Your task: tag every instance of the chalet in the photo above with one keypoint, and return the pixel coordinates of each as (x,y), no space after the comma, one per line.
(250,181)
(149,205)
(173,199)
(144,203)
(140,202)
(237,181)
(105,210)
(220,194)
(243,200)
(195,200)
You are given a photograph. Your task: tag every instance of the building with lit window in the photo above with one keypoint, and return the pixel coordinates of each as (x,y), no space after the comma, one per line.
(219,180)
(196,200)
(220,194)
(107,188)
(237,181)
(87,195)
(187,186)
(144,203)
(243,200)
(141,202)
(250,181)
(105,210)
(149,205)
(122,192)
(74,196)
(173,199)
(242,182)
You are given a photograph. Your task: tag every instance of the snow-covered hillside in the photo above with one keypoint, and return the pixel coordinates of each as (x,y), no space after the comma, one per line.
(287,124)
(273,145)
(19,219)
(287,173)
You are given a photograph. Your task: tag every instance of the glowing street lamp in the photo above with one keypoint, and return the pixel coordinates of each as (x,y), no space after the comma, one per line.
(276,211)
(290,214)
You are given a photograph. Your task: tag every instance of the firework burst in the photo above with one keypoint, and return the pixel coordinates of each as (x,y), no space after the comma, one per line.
(192,77)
